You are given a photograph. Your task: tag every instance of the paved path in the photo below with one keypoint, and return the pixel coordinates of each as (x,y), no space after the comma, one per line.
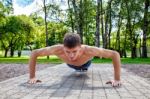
(61,82)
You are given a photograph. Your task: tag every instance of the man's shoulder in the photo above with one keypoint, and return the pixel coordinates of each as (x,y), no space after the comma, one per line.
(58,47)
(91,49)
(88,49)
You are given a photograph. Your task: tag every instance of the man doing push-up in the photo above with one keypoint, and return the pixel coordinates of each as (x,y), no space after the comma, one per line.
(76,56)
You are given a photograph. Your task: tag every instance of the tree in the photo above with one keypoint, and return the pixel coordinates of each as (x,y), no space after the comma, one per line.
(102,22)
(145,28)
(79,19)
(97,34)
(108,25)
(120,17)
(45,19)
(8,4)
(16,31)
(70,13)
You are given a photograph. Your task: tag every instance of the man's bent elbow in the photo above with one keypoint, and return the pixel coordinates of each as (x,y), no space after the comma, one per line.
(34,53)
(116,54)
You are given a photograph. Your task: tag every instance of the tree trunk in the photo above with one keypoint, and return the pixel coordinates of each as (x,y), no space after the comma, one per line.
(106,30)
(5,48)
(107,25)
(140,49)
(124,48)
(118,31)
(86,33)
(97,34)
(81,20)
(76,15)
(11,51)
(110,25)
(118,35)
(6,51)
(19,53)
(45,19)
(145,29)
(102,24)
(70,15)
(129,28)
(30,47)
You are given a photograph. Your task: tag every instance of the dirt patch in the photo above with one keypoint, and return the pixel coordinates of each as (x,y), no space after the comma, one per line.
(142,70)
(13,70)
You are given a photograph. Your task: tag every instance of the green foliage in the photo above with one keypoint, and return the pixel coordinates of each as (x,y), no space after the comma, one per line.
(56,32)
(19,32)
(16,32)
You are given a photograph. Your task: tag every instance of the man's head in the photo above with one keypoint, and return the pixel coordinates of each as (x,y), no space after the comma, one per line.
(71,40)
(72,45)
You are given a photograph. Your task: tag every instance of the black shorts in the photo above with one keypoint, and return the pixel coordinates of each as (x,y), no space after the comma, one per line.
(82,67)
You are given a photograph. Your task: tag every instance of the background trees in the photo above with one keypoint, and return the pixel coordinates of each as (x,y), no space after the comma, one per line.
(113,24)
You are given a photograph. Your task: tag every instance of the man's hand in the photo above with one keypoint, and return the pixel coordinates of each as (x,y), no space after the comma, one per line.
(33,81)
(114,83)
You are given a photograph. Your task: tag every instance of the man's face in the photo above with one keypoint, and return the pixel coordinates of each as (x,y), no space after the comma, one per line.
(72,53)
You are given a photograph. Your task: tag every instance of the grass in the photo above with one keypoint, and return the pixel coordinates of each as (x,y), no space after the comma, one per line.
(56,60)
(125,60)
(25,59)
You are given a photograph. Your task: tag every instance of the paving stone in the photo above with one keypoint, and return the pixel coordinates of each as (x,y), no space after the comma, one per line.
(113,96)
(61,82)
(29,96)
(72,97)
(42,97)
(85,96)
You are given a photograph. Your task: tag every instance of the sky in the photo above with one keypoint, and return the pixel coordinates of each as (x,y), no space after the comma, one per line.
(26,6)
(29,6)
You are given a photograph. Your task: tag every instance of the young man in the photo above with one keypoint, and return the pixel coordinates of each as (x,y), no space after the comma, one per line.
(77,56)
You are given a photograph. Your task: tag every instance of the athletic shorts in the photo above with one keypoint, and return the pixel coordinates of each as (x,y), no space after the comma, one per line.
(83,67)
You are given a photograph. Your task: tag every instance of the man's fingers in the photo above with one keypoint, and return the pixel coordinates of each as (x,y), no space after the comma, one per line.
(116,84)
(113,84)
(38,81)
(109,82)
(34,81)
(119,84)
(31,81)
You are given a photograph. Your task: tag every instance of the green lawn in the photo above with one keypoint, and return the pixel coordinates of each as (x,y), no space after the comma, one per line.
(54,59)
(125,60)
(25,59)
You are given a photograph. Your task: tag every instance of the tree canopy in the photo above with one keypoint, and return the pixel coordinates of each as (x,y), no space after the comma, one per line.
(113,24)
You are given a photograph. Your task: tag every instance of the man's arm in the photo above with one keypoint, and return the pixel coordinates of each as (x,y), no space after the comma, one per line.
(39,52)
(114,55)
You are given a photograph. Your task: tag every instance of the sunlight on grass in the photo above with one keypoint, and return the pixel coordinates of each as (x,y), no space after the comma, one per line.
(55,59)
(25,59)
(125,60)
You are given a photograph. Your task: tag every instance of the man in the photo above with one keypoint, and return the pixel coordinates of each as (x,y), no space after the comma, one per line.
(77,56)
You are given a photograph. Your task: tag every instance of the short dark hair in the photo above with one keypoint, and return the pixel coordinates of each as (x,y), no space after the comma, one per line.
(71,40)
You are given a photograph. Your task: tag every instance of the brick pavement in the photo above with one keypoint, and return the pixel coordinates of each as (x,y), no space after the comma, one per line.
(61,82)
